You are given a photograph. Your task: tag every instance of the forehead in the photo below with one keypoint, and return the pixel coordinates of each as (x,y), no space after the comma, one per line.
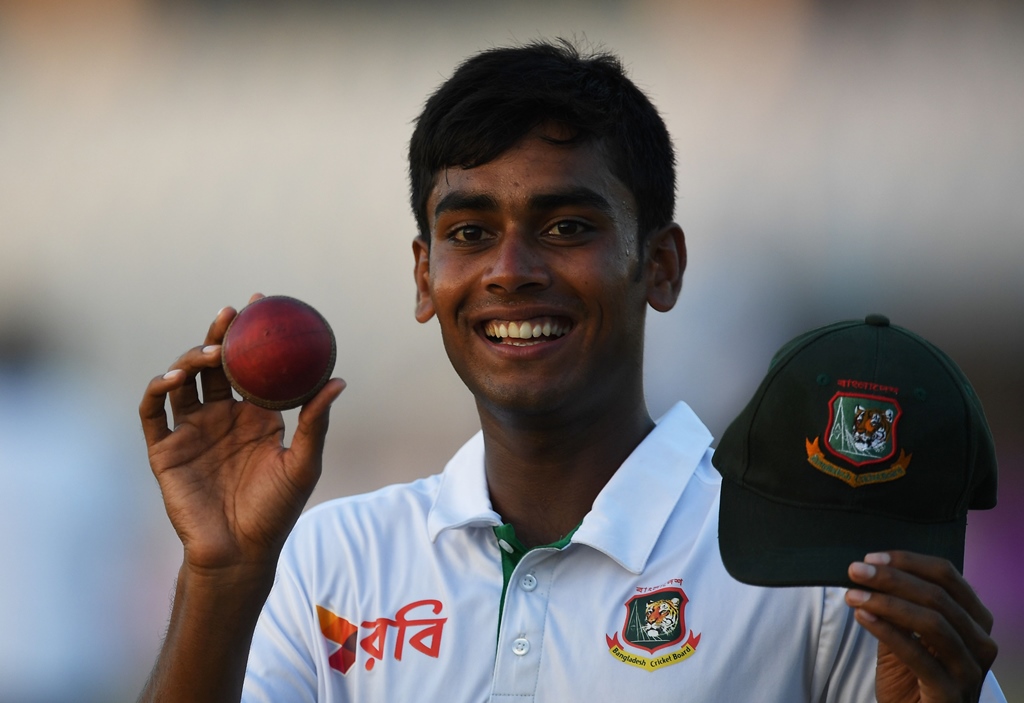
(531,169)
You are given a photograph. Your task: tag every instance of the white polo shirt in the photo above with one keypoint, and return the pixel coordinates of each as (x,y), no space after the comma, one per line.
(395,596)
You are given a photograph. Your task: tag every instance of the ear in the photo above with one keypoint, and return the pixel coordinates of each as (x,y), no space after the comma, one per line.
(421,272)
(666,262)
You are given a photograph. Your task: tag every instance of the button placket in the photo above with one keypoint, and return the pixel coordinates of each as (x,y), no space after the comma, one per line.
(518,657)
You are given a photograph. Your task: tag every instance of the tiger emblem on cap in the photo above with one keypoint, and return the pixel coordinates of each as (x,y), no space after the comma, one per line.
(662,618)
(871,427)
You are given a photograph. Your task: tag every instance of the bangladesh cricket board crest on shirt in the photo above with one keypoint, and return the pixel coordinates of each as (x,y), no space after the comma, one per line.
(655,625)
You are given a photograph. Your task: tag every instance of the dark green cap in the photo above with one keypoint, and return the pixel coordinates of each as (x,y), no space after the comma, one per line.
(863,437)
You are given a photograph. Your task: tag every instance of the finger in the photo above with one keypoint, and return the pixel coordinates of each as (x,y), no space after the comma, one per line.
(935,585)
(919,626)
(941,572)
(152,409)
(929,621)
(255,296)
(215,334)
(185,398)
(314,419)
(926,668)
(215,382)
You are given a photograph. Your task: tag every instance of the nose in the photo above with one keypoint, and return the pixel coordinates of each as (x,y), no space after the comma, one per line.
(518,265)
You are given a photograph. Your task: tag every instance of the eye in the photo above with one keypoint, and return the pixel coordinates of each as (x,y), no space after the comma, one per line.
(567,228)
(468,234)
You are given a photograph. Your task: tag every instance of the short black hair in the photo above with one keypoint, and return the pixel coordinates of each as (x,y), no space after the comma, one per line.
(496,97)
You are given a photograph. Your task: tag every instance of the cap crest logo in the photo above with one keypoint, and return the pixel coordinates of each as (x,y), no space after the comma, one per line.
(861,430)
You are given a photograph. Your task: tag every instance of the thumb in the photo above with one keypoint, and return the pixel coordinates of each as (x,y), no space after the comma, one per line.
(314,419)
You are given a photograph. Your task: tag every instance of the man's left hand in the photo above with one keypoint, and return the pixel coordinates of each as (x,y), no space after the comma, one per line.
(934,633)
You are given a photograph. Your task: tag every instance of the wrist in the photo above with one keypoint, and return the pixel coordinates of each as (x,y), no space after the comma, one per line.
(238,590)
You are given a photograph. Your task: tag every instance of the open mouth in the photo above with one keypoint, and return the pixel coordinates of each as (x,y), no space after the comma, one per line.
(525,333)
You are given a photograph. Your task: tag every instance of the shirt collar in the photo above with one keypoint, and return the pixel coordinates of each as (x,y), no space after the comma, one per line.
(462,499)
(627,517)
(631,510)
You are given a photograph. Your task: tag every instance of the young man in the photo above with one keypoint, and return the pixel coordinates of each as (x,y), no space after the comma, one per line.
(569,550)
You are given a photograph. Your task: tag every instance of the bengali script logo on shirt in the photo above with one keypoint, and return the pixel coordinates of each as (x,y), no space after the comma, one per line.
(423,633)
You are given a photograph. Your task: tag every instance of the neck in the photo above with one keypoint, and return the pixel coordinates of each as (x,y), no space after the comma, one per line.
(544,471)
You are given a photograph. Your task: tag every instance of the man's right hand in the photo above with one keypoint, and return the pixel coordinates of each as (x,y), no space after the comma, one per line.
(232,490)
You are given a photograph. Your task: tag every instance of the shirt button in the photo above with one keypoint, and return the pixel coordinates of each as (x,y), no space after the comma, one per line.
(528,582)
(521,646)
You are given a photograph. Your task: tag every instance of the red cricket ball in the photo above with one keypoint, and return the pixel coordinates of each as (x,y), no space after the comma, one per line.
(278,352)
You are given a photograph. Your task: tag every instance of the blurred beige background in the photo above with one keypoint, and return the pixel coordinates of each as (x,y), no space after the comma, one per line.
(159,160)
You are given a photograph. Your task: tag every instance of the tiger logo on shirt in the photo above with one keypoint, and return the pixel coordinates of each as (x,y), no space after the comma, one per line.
(662,618)
(656,624)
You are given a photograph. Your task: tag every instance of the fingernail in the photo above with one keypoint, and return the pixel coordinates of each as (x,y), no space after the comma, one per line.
(221,311)
(857,597)
(880,558)
(862,570)
(172,374)
(865,615)
(211,348)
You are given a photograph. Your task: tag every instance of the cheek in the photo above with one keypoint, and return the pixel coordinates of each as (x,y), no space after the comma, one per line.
(621,287)
(446,280)
(615,268)
(442,297)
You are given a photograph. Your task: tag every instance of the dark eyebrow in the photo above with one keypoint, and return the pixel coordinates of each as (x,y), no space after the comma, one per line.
(581,196)
(481,202)
(465,201)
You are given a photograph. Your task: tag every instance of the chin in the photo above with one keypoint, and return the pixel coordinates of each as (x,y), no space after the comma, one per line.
(520,401)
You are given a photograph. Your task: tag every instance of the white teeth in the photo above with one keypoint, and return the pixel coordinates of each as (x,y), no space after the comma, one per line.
(525,330)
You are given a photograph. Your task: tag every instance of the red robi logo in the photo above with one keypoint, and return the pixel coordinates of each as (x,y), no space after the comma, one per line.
(425,637)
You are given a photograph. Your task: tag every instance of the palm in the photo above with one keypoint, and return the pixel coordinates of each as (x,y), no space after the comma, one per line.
(231,489)
(894,681)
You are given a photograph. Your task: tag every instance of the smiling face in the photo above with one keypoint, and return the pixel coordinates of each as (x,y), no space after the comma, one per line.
(534,275)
